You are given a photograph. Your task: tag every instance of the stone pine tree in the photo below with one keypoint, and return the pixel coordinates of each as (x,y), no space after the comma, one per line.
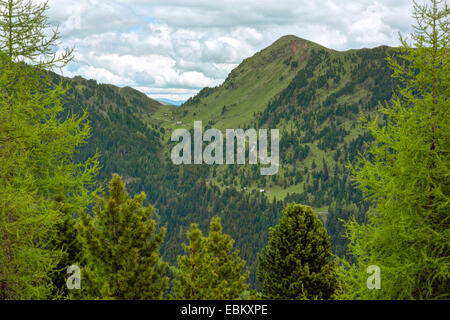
(406,174)
(37,148)
(210,269)
(296,264)
(195,276)
(67,241)
(121,247)
(228,266)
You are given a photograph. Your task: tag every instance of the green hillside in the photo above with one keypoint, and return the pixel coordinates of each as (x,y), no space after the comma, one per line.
(313,95)
(250,86)
(308,174)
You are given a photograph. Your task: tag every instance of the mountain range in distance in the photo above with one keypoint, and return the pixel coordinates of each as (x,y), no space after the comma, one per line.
(165,101)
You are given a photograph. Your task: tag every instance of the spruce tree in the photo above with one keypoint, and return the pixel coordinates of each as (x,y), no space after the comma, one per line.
(406,174)
(37,147)
(296,264)
(211,269)
(121,248)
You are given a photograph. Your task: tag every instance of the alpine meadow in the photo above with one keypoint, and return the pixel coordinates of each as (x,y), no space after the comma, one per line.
(293,179)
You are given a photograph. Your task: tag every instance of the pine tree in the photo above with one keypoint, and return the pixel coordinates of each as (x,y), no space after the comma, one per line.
(228,266)
(195,277)
(67,241)
(296,264)
(121,248)
(211,269)
(405,175)
(36,151)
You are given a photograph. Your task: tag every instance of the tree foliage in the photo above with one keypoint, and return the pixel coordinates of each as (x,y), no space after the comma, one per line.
(210,269)
(296,261)
(406,173)
(27,36)
(36,152)
(121,248)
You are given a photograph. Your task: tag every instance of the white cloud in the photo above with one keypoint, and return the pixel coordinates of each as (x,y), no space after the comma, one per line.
(102,75)
(172,48)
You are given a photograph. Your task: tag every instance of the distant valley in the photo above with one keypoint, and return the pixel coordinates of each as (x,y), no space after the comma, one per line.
(171,102)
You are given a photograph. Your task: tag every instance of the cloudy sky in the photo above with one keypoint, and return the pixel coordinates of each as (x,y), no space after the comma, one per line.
(171,49)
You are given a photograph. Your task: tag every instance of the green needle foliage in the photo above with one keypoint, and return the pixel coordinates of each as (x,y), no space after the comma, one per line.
(36,152)
(27,36)
(211,269)
(195,276)
(296,261)
(406,175)
(121,248)
(226,262)
(67,241)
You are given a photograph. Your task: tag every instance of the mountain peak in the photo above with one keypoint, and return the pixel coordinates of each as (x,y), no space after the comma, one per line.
(290,37)
(253,83)
(296,43)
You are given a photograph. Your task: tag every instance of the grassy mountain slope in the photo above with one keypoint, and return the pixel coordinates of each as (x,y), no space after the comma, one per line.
(315,97)
(312,94)
(250,86)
